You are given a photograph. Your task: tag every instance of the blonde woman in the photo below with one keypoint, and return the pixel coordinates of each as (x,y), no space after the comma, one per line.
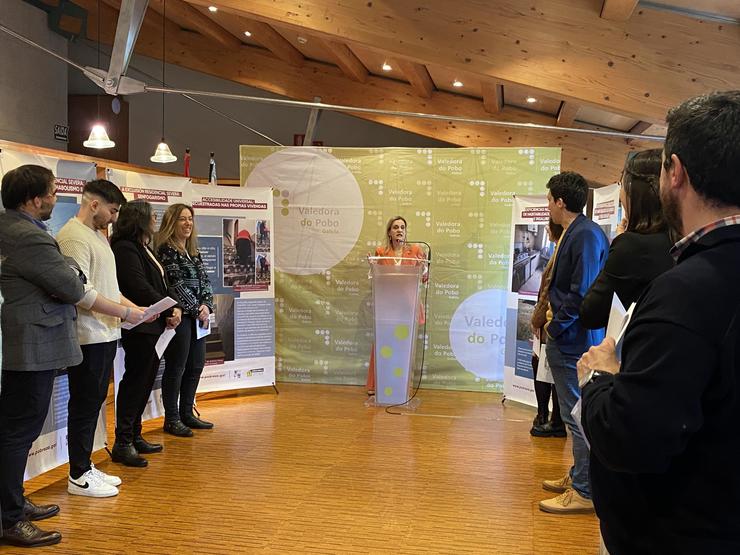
(176,247)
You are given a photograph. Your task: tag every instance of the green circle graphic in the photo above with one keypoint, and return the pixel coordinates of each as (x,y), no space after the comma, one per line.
(398,372)
(388,391)
(401,332)
(386,351)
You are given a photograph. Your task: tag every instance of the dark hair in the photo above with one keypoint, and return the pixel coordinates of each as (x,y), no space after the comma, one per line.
(641,184)
(25,183)
(572,188)
(106,190)
(556,230)
(133,222)
(390,224)
(704,132)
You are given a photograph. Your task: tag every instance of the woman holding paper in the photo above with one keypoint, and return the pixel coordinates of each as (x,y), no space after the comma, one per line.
(141,279)
(396,252)
(641,252)
(176,246)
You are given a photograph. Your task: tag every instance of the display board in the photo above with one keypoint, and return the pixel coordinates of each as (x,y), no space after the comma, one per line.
(331,209)
(607,211)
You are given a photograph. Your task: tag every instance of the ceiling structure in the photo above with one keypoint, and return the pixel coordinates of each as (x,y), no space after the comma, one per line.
(594,64)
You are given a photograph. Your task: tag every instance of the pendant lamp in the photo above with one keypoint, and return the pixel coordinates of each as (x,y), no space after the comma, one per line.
(98,135)
(163,154)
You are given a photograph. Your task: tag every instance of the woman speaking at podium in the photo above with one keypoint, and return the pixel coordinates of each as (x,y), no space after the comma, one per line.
(396,252)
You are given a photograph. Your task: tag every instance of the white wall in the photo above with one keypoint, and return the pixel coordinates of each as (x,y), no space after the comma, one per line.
(190,125)
(33,85)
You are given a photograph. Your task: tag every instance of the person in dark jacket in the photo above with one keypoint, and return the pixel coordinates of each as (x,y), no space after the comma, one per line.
(640,253)
(580,257)
(662,424)
(39,290)
(141,279)
(177,250)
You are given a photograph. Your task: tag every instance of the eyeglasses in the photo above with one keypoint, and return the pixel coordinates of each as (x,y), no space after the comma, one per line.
(52,193)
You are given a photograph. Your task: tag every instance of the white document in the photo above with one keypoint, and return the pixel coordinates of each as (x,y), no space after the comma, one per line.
(544,374)
(203,331)
(576,414)
(156,308)
(536,346)
(616,317)
(163,341)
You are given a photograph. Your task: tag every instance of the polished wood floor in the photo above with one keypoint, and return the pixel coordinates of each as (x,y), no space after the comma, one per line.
(314,471)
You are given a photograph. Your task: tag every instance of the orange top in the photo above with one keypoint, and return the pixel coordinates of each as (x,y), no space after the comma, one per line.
(409,251)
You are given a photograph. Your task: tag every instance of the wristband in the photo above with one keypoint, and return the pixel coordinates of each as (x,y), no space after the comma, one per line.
(127,314)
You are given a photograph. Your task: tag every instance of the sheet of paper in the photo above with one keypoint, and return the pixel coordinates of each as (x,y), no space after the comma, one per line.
(576,414)
(156,308)
(544,374)
(616,316)
(536,346)
(203,331)
(163,341)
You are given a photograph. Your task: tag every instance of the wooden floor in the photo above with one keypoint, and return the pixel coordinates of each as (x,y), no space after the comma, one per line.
(314,471)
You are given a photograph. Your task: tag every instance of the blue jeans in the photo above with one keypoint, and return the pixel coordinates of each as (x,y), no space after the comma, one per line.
(565,375)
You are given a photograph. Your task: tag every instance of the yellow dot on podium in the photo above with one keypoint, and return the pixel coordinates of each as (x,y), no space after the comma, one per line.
(401,332)
(386,351)
(398,372)
(285,211)
(388,391)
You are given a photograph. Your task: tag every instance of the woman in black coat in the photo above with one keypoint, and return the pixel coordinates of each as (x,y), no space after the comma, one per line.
(641,252)
(141,279)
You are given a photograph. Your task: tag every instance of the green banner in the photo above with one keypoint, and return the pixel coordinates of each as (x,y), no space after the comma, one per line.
(331,208)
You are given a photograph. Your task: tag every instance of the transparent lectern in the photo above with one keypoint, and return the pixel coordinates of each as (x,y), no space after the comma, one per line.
(396,308)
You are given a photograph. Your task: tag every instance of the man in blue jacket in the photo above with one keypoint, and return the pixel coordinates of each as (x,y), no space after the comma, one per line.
(665,442)
(580,256)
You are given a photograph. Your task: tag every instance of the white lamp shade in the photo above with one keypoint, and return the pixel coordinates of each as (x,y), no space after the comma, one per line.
(98,138)
(163,155)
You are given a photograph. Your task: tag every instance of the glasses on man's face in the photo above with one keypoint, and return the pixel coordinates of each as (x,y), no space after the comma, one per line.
(52,193)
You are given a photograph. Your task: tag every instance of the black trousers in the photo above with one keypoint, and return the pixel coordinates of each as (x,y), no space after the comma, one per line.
(141,362)
(88,388)
(542,391)
(24,403)
(183,364)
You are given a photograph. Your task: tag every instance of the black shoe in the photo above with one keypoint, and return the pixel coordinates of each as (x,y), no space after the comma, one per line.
(26,534)
(194,422)
(127,454)
(38,512)
(177,428)
(548,430)
(143,446)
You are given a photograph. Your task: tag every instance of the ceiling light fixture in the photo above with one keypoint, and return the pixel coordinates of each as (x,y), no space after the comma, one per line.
(163,154)
(386,66)
(212,9)
(531,100)
(247,33)
(98,135)
(457,83)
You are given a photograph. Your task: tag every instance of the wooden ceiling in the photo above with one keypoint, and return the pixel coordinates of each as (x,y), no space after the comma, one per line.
(597,64)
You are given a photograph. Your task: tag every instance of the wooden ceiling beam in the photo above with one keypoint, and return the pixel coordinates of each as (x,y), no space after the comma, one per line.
(560,47)
(187,17)
(418,76)
(567,114)
(600,159)
(275,43)
(493,97)
(350,64)
(618,10)
(640,127)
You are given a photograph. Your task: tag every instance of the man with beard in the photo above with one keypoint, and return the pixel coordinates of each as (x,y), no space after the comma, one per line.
(101,311)
(39,289)
(663,427)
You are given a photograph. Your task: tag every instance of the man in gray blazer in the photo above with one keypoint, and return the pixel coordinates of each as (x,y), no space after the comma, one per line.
(40,288)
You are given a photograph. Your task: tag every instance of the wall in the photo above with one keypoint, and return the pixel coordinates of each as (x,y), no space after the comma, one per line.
(33,85)
(190,125)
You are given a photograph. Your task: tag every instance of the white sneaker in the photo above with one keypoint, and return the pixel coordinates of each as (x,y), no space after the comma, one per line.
(107,478)
(90,485)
